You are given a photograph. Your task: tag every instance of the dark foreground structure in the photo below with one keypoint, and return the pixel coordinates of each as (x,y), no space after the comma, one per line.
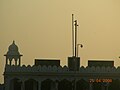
(47,74)
(2,87)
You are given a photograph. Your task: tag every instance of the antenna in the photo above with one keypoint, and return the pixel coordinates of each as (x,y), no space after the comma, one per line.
(76,37)
(73,33)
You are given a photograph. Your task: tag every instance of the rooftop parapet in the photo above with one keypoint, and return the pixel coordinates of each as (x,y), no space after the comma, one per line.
(60,69)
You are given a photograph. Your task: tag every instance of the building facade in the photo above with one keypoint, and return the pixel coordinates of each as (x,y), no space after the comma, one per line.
(1,86)
(56,77)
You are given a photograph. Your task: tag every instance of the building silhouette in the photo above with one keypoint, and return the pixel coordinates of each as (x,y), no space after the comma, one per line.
(47,74)
(2,87)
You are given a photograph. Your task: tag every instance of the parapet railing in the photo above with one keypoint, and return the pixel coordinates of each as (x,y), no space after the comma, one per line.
(61,69)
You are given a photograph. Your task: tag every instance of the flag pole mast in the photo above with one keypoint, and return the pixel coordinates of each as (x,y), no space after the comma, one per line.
(73,34)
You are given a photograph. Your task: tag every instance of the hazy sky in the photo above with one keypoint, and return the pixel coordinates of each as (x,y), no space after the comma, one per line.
(42,29)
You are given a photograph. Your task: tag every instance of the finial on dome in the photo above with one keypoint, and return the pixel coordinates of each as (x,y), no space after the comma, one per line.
(13,41)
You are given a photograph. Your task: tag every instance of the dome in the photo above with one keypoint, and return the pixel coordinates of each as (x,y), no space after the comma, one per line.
(13,47)
(13,50)
(13,53)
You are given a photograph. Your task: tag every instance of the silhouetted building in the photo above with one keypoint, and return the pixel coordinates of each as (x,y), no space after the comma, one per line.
(1,86)
(73,63)
(49,75)
(47,62)
(100,63)
(13,55)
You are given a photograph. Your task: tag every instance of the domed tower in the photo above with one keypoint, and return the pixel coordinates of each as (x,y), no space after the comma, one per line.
(13,54)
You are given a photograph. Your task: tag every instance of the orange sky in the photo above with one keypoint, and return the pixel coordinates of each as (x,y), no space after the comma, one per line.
(42,29)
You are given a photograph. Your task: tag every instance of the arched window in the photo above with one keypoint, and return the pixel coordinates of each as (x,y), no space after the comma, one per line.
(65,85)
(15,84)
(82,85)
(31,84)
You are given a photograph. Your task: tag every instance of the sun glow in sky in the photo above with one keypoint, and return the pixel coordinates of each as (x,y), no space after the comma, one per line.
(42,29)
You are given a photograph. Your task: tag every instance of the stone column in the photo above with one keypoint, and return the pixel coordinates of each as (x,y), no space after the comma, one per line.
(15,62)
(19,61)
(90,86)
(75,85)
(23,85)
(12,85)
(106,87)
(102,87)
(35,86)
(7,85)
(10,62)
(56,85)
(39,85)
